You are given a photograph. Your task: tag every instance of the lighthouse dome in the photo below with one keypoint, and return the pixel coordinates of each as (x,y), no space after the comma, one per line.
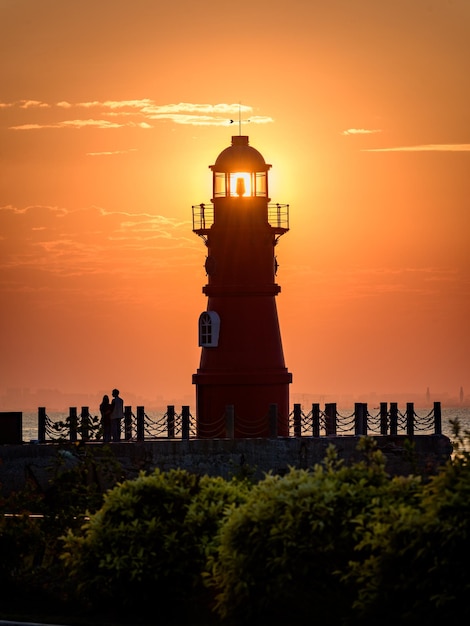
(240,157)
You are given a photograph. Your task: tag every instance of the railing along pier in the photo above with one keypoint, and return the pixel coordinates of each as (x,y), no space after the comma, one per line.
(389,421)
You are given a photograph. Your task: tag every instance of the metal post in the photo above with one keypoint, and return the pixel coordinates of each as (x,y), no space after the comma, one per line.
(360,418)
(42,419)
(357,418)
(73,423)
(330,412)
(127,423)
(272,421)
(297,420)
(393,418)
(315,420)
(170,420)
(85,423)
(437,419)
(185,417)
(383,418)
(230,421)
(140,423)
(410,415)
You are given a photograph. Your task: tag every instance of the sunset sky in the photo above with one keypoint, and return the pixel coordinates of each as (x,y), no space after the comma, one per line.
(111,112)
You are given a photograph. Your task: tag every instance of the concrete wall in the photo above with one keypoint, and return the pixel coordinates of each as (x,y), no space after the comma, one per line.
(224,457)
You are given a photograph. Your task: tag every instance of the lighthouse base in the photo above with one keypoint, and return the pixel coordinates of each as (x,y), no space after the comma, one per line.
(238,403)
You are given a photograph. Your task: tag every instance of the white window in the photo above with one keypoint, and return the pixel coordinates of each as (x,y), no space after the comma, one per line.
(209,326)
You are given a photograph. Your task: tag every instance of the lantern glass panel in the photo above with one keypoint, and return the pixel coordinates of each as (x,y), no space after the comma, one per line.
(241,184)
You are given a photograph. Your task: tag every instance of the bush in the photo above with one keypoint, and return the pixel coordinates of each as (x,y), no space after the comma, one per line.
(414,555)
(284,553)
(33,520)
(21,544)
(343,545)
(148,543)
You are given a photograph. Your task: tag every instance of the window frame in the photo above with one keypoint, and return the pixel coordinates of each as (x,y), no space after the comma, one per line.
(208,329)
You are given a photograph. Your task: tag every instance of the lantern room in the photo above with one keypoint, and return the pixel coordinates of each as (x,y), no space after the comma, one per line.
(240,171)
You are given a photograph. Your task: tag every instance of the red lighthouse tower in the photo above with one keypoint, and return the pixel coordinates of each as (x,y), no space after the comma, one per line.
(242,361)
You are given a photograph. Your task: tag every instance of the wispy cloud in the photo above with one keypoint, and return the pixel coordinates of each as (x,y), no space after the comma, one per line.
(192,120)
(69,124)
(111,152)
(25,104)
(355,283)
(141,113)
(33,104)
(42,241)
(431,147)
(360,131)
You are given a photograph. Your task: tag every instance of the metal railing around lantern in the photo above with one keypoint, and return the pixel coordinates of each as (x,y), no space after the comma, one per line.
(203,217)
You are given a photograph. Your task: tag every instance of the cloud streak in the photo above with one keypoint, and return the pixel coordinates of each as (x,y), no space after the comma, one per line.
(45,241)
(431,147)
(141,113)
(360,131)
(111,152)
(75,124)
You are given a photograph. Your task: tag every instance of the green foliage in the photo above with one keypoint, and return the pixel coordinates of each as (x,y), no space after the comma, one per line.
(413,556)
(340,544)
(460,440)
(33,521)
(87,426)
(284,551)
(148,542)
(21,540)
(79,477)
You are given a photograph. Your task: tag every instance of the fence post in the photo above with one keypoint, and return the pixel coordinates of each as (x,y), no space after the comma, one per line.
(393,418)
(360,418)
(185,422)
(410,414)
(357,418)
(315,420)
(170,420)
(437,419)
(330,423)
(297,420)
(272,421)
(140,434)
(42,419)
(230,421)
(127,423)
(383,418)
(73,423)
(85,423)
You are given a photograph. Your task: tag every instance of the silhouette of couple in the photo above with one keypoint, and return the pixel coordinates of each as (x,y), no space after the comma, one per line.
(111,416)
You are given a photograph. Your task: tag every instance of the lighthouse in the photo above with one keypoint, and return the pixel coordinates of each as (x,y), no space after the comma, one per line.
(242,369)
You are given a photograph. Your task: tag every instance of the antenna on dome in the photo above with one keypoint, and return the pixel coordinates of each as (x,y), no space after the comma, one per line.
(239,119)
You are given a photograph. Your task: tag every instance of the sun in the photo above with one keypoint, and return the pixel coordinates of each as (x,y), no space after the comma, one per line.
(240,184)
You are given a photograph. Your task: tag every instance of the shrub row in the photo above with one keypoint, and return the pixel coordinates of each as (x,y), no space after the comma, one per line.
(338,544)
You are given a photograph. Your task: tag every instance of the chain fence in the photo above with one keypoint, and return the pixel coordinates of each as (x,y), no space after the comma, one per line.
(387,419)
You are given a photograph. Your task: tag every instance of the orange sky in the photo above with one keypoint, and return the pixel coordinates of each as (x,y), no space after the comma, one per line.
(111,113)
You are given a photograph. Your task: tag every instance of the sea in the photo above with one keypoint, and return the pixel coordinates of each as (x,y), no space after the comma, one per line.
(462,414)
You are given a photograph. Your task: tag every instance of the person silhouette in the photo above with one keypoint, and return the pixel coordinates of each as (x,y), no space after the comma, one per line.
(105,410)
(117,413)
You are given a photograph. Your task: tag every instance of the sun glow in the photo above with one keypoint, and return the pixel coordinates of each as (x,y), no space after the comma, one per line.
(240,184)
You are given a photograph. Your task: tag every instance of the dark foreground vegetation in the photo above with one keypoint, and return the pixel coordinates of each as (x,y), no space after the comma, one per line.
(342,545)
